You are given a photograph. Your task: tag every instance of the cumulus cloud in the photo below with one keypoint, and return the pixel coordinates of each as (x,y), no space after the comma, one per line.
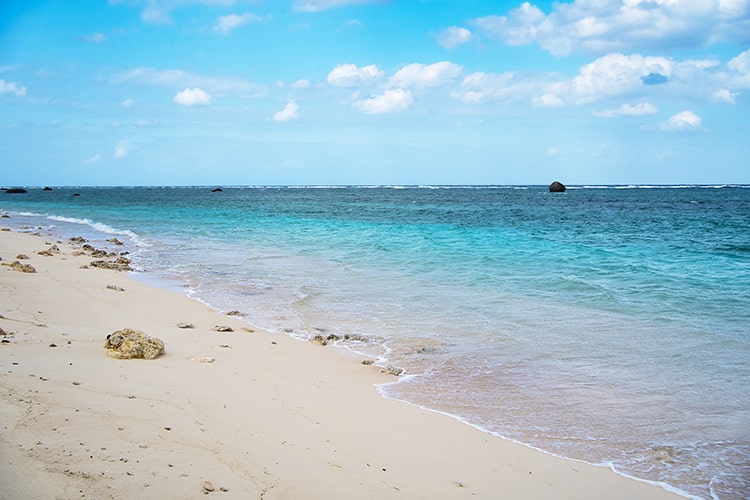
(624,25)
(724,95)
(225,24)
(684,121)
(481,87)
(12,88)
(320,5)
(122,149)
(192,97)
(349,75)
(616,74)
(740,68)
(642,108)
(290,112)
(431,75)
(179,78)
(453,37)
(391,101)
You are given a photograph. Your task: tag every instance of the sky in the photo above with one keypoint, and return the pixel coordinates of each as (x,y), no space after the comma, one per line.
(330,92)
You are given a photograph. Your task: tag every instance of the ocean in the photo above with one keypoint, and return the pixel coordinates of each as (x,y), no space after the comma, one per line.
(608,324)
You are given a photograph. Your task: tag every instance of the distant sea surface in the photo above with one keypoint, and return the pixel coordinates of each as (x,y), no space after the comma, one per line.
(605,324)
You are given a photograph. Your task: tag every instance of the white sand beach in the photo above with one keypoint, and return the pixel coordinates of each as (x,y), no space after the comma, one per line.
(240,414)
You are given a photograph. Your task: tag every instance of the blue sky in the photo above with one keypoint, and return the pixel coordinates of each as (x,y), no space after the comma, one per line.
(175,92)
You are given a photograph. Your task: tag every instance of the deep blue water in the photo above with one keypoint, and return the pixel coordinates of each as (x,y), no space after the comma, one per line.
(608,324)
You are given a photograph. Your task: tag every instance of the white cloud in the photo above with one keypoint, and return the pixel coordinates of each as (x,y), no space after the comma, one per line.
(122,149)
(684,121)
(301,84)
(453,37)
(724,95)
(320,5)
(12,88)
(740,67)
(349,75)
(431,75)
(192,97)
(626,25)
(180,78)
(93,159)
(225,24)
(548,101)
(127,103)
(617,74)
(391,101)
(95,38)
(481,87)
(290,112)
(146,122)
(642,108)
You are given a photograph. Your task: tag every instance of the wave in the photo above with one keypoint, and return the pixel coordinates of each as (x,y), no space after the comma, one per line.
(101,227)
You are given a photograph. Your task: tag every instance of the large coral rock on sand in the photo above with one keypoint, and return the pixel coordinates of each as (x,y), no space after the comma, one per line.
(127,344)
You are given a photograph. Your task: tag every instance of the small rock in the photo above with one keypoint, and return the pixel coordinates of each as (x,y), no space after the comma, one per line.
(17,266)
(367,362)
(235,313)
(22,256)
(557,187)
(208,487)
(115,288)
(53,345)
(77,239)
(128,344)
(393,370)
(185,325)
(319,339)
(222,328)
(203,359)
(115,241)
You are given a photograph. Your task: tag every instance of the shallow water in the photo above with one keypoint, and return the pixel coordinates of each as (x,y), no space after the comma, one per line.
(608,325)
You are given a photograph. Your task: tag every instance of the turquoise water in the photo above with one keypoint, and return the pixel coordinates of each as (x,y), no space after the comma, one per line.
(607,324)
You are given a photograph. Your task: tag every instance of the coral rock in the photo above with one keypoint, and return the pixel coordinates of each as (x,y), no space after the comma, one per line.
(17,266)
(128,343)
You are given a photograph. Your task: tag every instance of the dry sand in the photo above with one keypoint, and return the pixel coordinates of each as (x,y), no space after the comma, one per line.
(271,417)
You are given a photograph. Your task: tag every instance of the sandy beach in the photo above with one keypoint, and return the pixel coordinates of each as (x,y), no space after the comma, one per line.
(235,414)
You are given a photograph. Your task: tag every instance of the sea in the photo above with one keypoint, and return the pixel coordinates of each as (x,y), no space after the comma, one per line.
(606,324)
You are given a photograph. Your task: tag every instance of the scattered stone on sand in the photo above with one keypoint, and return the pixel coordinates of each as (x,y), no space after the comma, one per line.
(121,264)
(393,370)
(356,337)
(77,239)
(185,325)
(203,359)
(207,487)
(98,254)
(247,329)
(53,344)
(235,313)
(54,249)
(115,241)
(115,288)
(223,328)
(557,187)
(17,266)
(129,343)
(22,256)
(319,339)
(367,362)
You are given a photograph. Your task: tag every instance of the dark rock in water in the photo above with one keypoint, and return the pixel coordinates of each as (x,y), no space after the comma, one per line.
(557,187)
(47,188)
(15,191)
(76,194)
(217,190)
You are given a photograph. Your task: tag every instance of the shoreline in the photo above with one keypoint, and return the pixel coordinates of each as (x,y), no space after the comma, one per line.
(270,417)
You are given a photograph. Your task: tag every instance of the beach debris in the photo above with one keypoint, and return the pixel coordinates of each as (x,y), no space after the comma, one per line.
(223,328)
(22,256)
(392,370)
(185,325)
(557,187)
(129,343)
(17,266)
(203,359)
(115,288)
